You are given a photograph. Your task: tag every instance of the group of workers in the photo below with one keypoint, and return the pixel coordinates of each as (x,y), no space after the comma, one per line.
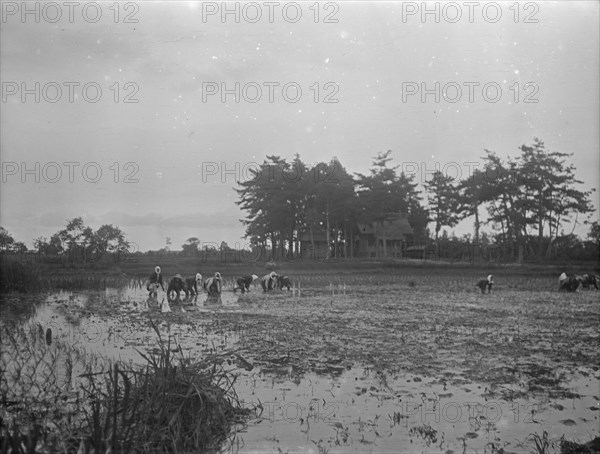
(566,282)
(213,285)
(572,282)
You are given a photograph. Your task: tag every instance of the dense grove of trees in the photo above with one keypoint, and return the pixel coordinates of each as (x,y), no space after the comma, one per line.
(286,199)
(528,199)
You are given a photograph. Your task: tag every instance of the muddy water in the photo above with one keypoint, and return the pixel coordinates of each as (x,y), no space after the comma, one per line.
(116,322)
(363,411)
(353,409)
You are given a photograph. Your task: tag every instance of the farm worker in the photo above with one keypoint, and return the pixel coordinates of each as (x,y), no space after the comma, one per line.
(589,280)
(213,285)
(283,281)
(487,283)
(268,280)
(243,283)
(193,283)
(176,285)
(562,279)
(569,282)
(154,281)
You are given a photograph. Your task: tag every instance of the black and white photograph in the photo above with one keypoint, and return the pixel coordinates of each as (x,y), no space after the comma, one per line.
(300,227)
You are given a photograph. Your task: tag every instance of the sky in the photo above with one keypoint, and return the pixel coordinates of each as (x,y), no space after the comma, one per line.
(128,113)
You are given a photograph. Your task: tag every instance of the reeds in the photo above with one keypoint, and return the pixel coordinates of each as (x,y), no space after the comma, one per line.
(170,404)
(27,276)
(18,275)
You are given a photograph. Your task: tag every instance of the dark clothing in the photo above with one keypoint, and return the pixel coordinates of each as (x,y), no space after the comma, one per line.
(243,283)
(192,284)
(177,284)
(155,279)
(570,284)
(590,280)
(283,282)
(484,284)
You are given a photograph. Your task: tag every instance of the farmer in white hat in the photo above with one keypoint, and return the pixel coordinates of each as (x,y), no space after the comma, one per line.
(268,280)
(154,281)
(193,283)
(213,285)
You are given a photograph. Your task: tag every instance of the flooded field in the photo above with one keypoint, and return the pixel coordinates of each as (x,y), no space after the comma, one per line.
(383,363)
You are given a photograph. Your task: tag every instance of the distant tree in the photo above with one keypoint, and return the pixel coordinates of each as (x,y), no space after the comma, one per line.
(71,236)
(334,203)
(549,186)
(55,244)
(538,191)
(443,201)
(76,239)
(592,243)
(472,195)
(41,245)
(190,247)
(6,239)
(83,243)
(19,247)
(87,243)
(273,202)
(110,239)
(294,186)
(594,233)
(505,200)
(381,195)
(418,215)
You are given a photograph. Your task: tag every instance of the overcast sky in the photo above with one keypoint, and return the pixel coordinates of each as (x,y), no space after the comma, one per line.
(171,57)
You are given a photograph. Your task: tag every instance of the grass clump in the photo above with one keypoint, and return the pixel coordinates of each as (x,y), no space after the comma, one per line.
(169,404)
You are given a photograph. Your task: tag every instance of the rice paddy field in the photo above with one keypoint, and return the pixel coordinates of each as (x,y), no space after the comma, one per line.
(351,361)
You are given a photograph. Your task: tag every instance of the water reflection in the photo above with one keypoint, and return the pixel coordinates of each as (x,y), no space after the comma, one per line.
(132,297)
(164,305)
(113,322)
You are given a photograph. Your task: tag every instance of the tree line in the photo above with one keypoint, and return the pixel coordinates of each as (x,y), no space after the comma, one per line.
(528,200)
(76,241)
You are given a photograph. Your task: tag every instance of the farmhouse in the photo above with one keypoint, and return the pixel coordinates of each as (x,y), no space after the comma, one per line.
(318,238)
(367,239)
(369,242)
